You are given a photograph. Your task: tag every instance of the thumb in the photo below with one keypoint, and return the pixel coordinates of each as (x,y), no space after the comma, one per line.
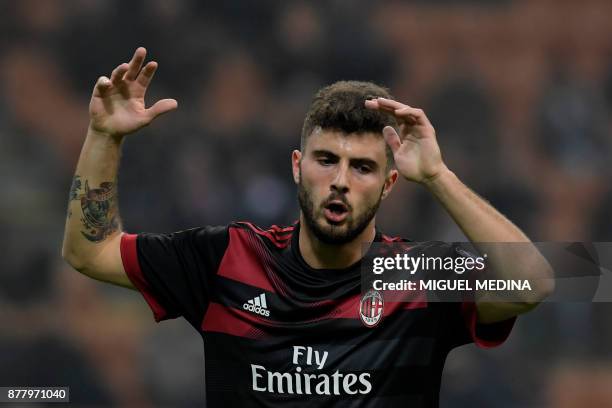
(392,138)
(160,107)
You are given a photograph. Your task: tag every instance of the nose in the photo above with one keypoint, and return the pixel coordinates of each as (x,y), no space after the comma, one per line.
(340,182)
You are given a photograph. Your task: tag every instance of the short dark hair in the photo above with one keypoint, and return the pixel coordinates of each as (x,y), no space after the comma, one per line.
(341,107)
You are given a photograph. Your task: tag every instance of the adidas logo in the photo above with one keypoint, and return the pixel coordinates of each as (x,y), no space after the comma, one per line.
(257,305)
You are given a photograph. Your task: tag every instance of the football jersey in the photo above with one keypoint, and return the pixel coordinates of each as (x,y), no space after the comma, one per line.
(277,331)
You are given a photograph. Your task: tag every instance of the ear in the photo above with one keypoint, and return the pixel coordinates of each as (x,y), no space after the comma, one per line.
(296,156)
(389,182)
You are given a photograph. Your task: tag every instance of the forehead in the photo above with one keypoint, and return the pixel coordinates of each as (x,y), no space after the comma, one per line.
(363,145)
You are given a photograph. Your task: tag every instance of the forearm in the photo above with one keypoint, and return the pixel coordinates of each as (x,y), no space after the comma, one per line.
(478,220)
(93,213)
(510,253)
(418,158)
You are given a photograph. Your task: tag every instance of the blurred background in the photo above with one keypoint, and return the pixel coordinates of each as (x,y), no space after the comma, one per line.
(520,93)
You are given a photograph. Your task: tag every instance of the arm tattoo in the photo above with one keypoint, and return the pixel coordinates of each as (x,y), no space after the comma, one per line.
(99,205)
(75,187)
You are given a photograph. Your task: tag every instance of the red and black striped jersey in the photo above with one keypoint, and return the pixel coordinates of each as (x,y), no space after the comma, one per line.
(277,331)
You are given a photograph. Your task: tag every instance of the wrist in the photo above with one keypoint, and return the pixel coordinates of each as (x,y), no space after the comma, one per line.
(439,179)
(101,134)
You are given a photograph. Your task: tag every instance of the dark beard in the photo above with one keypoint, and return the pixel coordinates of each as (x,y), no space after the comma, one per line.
(334,236)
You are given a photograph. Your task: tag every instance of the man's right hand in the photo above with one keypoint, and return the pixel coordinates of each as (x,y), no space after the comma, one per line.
(117,105)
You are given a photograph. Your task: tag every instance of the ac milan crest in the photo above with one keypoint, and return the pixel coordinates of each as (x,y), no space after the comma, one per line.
(371,308)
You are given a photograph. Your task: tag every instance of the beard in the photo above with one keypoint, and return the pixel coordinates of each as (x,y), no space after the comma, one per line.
(335,234)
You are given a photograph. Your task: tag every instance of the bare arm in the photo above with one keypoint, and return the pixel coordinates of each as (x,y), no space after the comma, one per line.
(93,228)
(516,258)
(418,158)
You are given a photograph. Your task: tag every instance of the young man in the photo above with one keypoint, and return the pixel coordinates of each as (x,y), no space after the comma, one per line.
(279,308)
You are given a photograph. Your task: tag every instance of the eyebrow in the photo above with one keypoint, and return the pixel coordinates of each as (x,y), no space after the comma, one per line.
(355,161)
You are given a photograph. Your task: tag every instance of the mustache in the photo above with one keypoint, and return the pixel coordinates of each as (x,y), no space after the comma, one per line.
(337,197)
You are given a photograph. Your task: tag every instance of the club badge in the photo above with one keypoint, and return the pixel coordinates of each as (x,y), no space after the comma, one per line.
(371,308)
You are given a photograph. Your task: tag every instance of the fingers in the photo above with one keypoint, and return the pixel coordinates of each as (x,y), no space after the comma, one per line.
(392,138)
(371,104)
(416,115)
(103,84)
(146,75)
(129,71)
(411,116)
(161,107)
(375,104)
(117,74)
(390,103)
(135,63)
(134,71)
(389,106)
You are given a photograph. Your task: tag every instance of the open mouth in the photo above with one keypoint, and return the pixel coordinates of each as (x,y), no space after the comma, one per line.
(336,212)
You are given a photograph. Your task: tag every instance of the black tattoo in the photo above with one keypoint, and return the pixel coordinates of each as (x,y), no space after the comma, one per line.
(99,205)
(75,188)
(100,215)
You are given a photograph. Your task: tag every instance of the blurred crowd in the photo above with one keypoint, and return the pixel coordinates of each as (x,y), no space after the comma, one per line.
(519,91)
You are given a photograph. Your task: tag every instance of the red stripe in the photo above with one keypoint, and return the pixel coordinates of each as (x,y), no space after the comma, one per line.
(391,307)
(409,299)
(387,238)
(497,332)
(350,307)
(237,322)
(129,257)
(415,305)
(279,229)
(272,235)
(241,262)
(347,309)
(223,319)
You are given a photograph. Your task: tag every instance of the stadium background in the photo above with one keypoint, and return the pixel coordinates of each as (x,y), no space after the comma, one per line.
(520,93)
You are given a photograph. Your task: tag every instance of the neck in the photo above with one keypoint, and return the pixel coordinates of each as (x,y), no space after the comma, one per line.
(319,255)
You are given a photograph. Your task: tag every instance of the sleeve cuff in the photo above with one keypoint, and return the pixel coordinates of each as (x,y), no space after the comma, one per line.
(129,257)
(485,335)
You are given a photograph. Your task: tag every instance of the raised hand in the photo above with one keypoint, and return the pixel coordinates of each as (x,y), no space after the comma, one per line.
(416,151)
(117,106)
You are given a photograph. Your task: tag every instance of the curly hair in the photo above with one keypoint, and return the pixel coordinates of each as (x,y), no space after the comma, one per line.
(340,107)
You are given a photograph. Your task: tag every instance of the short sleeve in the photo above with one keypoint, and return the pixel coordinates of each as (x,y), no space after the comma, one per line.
(462,320)
(174,272)
(484,335)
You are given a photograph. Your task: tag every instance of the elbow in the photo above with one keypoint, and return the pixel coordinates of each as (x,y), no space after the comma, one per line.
(538,294)
(545,286)
(542,281)
(541,289)
(73,259)
(73,262)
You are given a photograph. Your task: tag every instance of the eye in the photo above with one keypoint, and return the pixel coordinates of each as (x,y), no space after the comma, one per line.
(325,161)
(364,169)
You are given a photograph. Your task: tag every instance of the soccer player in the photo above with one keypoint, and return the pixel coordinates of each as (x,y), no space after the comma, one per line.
(280,309)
